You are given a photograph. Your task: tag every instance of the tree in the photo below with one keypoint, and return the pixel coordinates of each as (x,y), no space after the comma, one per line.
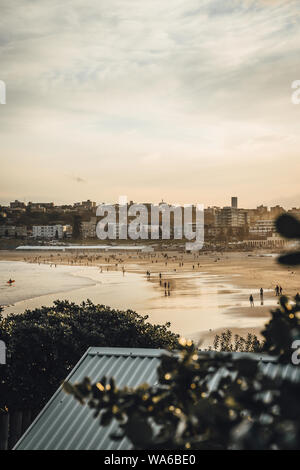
(194,406)
(43,345)
(226,342)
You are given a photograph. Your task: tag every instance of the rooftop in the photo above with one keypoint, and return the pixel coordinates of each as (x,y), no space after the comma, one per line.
(64,424)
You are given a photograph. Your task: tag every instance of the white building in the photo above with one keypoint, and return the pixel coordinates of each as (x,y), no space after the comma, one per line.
(262,227)
(274,241)
(50,231)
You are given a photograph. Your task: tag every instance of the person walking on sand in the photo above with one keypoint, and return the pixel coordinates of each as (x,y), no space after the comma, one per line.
(280,290)
(251,301)
(277,291)
(261,292)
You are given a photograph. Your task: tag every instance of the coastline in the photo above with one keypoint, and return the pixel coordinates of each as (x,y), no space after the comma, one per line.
(214,294)
(245,269)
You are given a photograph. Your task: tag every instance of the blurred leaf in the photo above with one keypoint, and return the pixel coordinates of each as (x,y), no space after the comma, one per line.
(291,259)
(288,226)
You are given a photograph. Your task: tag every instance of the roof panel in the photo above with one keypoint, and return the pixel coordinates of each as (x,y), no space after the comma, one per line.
(65,424)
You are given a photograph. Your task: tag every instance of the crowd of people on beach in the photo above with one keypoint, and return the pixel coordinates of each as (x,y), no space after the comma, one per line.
(116,261)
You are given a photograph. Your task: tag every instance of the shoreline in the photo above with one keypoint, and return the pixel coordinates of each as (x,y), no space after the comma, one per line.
(234,273)
(245,269)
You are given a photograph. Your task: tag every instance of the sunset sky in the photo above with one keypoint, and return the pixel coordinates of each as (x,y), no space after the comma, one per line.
(185,100)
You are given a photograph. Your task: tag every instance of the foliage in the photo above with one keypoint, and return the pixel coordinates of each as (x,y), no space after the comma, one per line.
(289,227)
(283,329)
(43,345)
(229,343)
(209,400)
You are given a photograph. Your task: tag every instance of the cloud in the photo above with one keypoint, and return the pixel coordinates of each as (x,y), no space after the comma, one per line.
(118,89)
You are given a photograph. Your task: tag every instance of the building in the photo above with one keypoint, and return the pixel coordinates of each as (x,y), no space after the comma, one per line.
(262,227)
(210,215)
(17,205)
(231,217)
(64,424)
(276,211)
(40,205)
(227,217)
(295,212)
(13,231)
(234,202)
(87,205)
(51,231)
(274,241)
(88,228)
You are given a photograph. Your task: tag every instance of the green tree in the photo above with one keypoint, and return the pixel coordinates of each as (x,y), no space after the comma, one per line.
(227,342)
(43,345)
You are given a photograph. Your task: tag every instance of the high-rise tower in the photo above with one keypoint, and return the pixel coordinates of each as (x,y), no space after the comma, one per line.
(234,202)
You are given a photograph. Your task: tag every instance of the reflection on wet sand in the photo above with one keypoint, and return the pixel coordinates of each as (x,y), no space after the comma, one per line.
(196,303)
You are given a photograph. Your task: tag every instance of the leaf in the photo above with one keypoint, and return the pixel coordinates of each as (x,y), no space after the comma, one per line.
(106,418)
(139,431)
(68,388)
(291,259)
(288,226)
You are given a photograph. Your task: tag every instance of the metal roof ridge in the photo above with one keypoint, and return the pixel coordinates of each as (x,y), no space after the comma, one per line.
(128,352)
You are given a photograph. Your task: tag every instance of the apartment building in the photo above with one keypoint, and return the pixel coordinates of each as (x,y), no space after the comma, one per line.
(13,231)
(88,228)
(231,217)
(51,231)
(262,227)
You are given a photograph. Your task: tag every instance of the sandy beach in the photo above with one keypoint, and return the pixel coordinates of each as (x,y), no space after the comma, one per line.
(200,294)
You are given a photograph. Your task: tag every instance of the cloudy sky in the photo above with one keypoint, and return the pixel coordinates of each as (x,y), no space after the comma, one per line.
(185,100)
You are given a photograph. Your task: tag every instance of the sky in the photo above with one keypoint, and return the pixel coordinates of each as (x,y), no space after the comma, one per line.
(188,101)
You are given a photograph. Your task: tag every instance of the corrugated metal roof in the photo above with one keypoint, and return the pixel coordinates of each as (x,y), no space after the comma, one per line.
(64,424)
(268,366)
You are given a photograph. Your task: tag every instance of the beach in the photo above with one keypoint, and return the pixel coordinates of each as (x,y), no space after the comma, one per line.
(200,295)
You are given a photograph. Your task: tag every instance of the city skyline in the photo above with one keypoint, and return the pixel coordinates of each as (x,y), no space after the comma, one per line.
(233,202)
(157,100)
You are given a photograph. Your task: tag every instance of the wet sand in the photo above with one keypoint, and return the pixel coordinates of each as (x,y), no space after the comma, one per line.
(208,293)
